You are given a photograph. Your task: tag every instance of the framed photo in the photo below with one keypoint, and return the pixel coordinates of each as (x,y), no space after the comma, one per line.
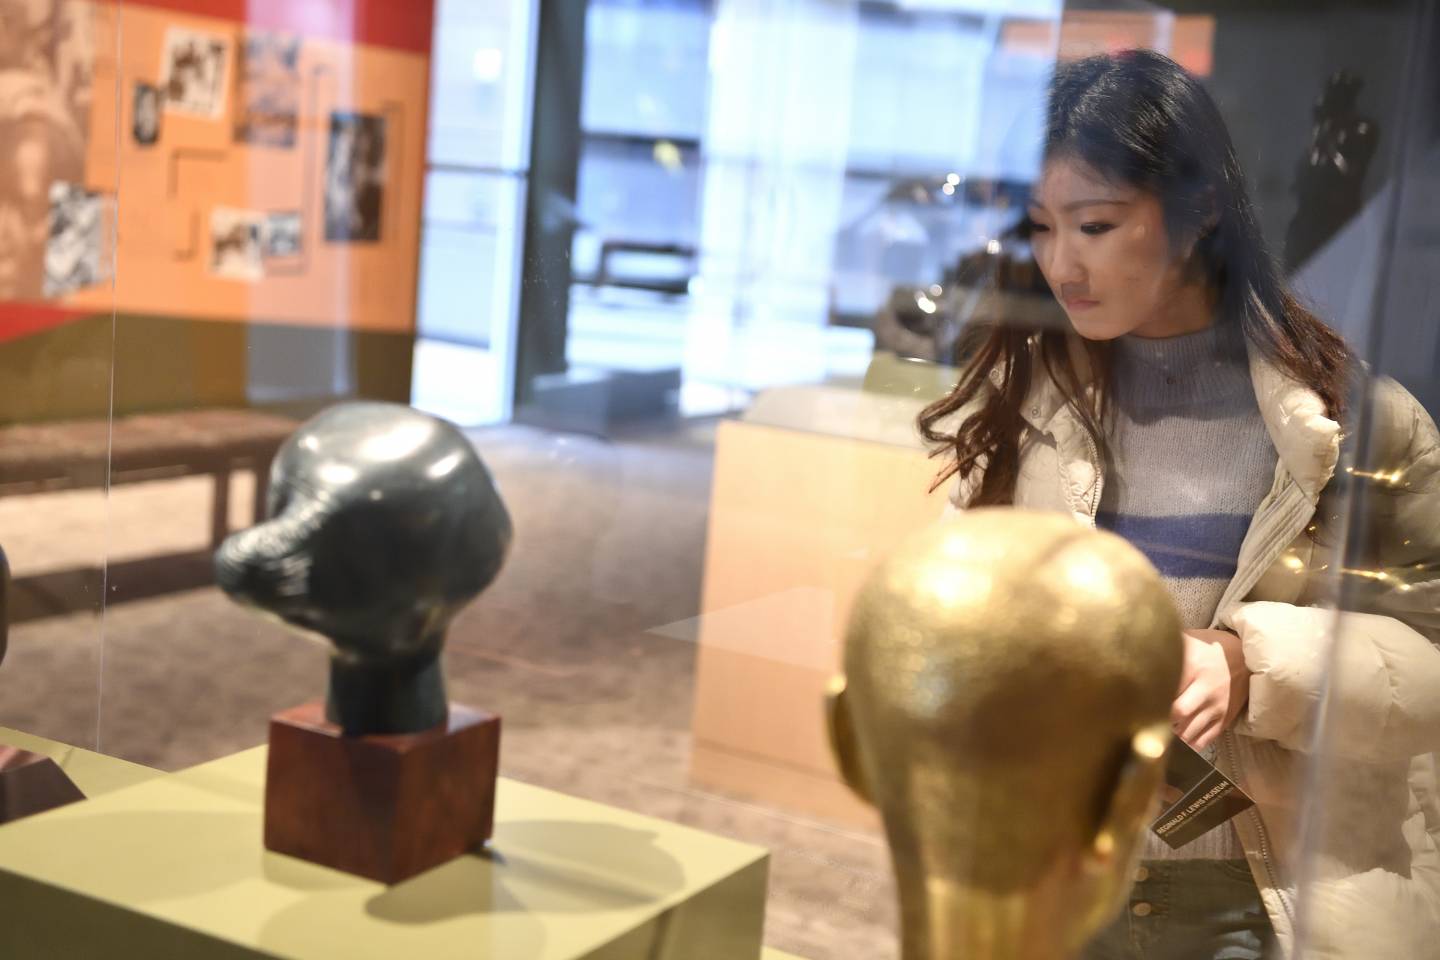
(354,178)
(193,72)
(235,243)
(148,103)
(269,89)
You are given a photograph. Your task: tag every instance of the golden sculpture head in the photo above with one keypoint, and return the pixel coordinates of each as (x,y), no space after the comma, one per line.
(1005,706)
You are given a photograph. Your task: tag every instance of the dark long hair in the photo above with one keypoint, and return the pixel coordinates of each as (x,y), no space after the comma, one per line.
(1140,119)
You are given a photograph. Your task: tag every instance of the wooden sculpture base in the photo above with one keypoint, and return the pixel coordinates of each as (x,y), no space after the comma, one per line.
(384,807)
(31,783)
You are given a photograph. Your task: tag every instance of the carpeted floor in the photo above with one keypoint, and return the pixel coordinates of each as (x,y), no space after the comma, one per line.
(609,545)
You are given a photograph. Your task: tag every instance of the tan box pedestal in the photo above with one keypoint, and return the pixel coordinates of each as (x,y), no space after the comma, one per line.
(797,520)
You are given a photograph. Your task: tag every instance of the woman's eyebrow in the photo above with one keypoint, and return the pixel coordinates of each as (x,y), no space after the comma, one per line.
(1078,204)
(1096,202)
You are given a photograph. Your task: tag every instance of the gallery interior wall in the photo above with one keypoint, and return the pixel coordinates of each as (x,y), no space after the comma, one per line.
(238,184)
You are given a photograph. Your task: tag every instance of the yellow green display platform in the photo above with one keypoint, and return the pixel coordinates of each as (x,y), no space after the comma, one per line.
(173,869)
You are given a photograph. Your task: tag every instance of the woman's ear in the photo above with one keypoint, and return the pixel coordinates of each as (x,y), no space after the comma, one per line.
(1211,207)
(1204,233)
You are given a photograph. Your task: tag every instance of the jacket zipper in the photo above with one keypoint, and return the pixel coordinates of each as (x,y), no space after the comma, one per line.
(1254,812)
(1228,738)
(1099,477)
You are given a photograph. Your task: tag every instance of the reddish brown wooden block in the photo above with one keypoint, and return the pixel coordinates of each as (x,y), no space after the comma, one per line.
(31,783)
(384,807)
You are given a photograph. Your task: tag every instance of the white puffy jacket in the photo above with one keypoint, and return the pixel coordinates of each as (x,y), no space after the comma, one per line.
(1364,882)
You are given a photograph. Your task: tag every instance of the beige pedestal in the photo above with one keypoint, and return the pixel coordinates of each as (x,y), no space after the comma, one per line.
(797,520)
(173,869)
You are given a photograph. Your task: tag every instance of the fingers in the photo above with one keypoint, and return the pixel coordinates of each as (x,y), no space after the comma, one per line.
(1191,701)
(1197,715)
(1190,664)
(1202,730)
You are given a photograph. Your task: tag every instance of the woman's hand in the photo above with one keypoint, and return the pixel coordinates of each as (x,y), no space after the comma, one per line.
(1214,686)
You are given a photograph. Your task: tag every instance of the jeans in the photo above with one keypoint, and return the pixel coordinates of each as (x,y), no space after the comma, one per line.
(1188,910)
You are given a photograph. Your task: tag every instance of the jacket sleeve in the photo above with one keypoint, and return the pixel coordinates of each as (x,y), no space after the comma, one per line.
(1383,666)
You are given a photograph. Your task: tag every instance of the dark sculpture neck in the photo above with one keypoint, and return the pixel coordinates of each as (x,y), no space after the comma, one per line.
(388,696)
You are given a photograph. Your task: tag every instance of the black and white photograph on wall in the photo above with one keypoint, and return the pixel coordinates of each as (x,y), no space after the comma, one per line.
(145,122)
(75,251)
(47,53)
(269,89)
(235,243)
(193,72)
(281,237)
(354,177)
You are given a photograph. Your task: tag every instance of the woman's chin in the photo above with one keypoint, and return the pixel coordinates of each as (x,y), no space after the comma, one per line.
(1094,328)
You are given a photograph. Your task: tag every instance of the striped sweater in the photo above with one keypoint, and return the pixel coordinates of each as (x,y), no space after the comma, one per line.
(1189,461)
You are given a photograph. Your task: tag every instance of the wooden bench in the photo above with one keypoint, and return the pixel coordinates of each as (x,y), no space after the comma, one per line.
(96,454)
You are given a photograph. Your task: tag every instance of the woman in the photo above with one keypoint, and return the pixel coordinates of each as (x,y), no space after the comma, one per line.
(1191,404)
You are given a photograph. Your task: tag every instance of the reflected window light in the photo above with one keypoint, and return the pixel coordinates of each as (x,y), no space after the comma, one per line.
(993,248)
(444,466)
(936,290)
(337,474)
(1089,577)
(396,443)
(953,179)
(951,588)
(949,189)
(668,156)
(1149,745)
(487,65)
(954,548)
(925,303)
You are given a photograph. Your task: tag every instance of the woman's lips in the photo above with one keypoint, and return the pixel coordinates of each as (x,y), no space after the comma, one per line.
(1080,303)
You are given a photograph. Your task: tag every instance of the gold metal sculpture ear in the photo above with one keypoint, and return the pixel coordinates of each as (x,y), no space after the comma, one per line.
(1110,860)
(1133,801)
(842,737)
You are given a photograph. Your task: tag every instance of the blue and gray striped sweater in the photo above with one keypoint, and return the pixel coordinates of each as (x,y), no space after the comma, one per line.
(1189,461)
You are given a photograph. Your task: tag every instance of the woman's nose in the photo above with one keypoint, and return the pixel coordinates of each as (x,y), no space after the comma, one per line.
(1061,264)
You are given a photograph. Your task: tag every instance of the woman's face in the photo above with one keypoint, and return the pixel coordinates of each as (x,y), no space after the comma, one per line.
(1104,250)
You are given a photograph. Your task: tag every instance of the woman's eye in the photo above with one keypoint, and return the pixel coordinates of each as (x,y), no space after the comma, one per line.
(1038,227)
(1095,228)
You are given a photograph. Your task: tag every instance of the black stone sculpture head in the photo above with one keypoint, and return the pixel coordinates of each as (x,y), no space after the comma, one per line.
(383,523)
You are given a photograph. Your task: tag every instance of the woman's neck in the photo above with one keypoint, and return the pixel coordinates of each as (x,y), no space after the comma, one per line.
(1191,310)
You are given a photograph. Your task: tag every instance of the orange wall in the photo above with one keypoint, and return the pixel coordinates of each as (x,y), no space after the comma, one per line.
(166,192)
